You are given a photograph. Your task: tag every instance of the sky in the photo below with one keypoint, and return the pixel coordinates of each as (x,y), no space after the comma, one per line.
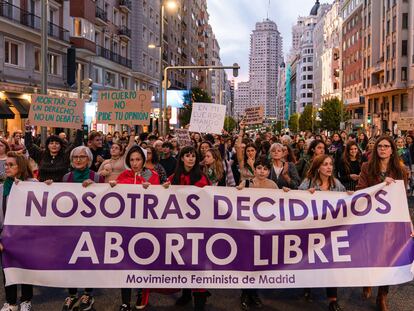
(234,20)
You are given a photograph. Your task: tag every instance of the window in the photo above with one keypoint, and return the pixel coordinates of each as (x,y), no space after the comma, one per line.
(124,81)
(115,17)
(98,75)
(403,73)
(110,79)
(405,21)
(13,53)
(83,28)
(55,64)
(404,48)
(37,60)
(404,102)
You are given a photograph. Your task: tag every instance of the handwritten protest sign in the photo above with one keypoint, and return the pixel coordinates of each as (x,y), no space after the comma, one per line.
(183,137)
(124,107)
(52,111)
(254,115)
(207,118)
(406,124)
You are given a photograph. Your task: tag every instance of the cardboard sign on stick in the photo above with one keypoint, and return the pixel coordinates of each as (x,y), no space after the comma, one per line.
(183,137)
(53,111)
(124,107)
(254,115)
(405,124)
(207,118)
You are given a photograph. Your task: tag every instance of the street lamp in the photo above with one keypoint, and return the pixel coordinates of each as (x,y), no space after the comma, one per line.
(170,5)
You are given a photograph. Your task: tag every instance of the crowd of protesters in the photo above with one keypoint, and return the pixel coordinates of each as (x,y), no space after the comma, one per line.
(310,162)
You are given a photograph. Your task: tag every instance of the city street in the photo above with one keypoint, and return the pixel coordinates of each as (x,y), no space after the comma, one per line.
(401,298)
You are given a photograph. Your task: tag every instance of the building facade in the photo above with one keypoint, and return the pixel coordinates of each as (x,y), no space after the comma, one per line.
(266,55)
(242,99)
(388,70)
(352,60)
(281,93)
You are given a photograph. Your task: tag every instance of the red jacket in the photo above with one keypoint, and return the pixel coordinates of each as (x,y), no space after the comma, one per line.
(129,177)
(185,180)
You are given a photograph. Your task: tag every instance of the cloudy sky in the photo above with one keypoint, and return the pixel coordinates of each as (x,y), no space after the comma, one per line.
(234,20)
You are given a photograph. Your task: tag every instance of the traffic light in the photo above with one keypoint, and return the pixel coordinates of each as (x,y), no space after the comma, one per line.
(236,70)
(87,88)
(369,119)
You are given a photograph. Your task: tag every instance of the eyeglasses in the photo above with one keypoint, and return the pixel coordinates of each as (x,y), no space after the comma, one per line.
(79,158)
(384,146)
(10,164)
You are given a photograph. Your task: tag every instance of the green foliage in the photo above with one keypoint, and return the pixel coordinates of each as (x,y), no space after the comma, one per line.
(294,122)
(279,126)
(330,114)
(197,96)
(229,124)
(307,119)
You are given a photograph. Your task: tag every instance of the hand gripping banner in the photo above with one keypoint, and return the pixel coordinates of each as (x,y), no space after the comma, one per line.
(65,235)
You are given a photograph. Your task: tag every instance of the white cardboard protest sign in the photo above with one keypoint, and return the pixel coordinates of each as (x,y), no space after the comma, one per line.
(207,118)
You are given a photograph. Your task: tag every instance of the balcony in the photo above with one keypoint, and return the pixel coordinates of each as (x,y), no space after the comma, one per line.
(107,54)
(125,6)
(124,32)
(28,19)
(101,17)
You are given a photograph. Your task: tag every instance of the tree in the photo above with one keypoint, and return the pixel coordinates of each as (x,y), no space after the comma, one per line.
(307,119)
(197,96)
(279,126)
(330,114)
(229,124)
(294,122)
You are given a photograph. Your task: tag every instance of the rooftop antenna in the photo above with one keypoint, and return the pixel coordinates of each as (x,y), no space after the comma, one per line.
(268,9)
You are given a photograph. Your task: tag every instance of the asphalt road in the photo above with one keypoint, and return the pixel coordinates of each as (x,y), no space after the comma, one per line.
(401,298)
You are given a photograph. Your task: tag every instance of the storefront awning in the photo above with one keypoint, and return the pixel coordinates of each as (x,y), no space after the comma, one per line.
(21,105)
(5,112)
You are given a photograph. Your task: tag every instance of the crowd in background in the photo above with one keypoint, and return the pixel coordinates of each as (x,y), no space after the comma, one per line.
(339,161)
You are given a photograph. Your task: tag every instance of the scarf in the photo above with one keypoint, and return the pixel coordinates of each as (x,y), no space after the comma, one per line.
(7,186)
(401,151)
(211,174)
(80,176)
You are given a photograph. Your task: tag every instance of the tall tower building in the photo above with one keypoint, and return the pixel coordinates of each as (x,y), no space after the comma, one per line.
(265,58)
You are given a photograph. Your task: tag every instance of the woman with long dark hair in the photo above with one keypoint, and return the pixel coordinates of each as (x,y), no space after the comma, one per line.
(349,166)
(316,148)
(384,166)
(362,141)
(136,173)
(188,173)
(320,177)
(16,169)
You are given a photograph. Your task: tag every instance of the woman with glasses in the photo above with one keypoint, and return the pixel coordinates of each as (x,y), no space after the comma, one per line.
(384,166)
(4,149)
(81,159)
(153,163)
(16,169)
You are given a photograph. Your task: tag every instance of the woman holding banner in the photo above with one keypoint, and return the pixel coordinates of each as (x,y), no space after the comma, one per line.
(17,169)
(384,166)
(111,168)
(137,174)
(81,159)
(316,148)
(188,173)
(282,172)
(153,163)
(320,178)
